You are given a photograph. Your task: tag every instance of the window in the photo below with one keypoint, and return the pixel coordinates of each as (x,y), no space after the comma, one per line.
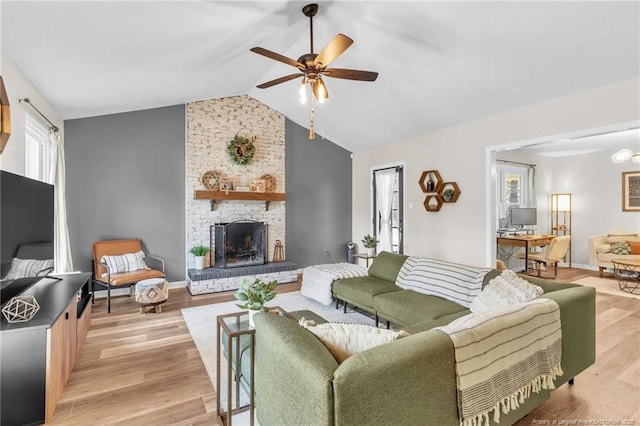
(37,147)
(387,208)
(512,190)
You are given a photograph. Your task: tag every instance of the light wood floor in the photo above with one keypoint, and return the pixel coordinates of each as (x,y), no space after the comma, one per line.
(143,369)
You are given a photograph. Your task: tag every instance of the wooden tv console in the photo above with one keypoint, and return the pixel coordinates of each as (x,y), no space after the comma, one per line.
(37,356)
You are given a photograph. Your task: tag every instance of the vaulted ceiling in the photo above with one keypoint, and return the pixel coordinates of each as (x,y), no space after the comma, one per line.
(440,63)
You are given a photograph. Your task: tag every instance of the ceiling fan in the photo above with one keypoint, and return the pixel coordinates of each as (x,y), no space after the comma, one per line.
(313,66)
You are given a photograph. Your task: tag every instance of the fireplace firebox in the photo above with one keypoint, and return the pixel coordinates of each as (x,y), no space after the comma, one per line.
(239,243)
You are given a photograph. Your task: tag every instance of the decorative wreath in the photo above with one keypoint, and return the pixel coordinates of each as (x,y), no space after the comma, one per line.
(241,149)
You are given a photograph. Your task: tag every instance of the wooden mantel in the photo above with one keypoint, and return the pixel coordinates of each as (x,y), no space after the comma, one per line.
(214,196)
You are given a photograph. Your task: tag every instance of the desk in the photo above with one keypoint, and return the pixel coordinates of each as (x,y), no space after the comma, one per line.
(526,241)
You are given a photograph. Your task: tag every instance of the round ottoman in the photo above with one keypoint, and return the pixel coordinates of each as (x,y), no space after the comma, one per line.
(152,292)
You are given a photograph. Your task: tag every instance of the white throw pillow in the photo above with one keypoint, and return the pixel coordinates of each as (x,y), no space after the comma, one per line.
(344,340)
(505,289)
(126,263)
(22,268)
(603,248)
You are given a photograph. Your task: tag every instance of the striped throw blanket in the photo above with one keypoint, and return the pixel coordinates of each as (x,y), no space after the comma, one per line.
(503,356)
(317,279)
(452,281)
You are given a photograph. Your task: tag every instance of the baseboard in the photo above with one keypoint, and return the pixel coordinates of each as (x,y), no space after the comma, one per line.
(125,291)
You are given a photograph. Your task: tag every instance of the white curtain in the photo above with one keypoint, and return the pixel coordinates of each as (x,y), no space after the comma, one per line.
(532,187)
(61,244)
(385,180)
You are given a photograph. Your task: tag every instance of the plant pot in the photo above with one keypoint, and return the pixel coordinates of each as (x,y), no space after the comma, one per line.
(199,262)
(252,312)
(371,251)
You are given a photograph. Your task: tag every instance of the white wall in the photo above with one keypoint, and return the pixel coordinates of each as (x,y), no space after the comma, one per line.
(19,87)
(459,231)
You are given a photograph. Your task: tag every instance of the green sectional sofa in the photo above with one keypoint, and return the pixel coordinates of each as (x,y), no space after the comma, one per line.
(411,381)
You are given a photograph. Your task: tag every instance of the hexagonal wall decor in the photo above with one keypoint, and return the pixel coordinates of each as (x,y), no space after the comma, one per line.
(430,181)
(439,192)
(449,191)
(433,203)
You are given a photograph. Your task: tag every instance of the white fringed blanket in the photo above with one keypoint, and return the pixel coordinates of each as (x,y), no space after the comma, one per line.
(317,279)
(504,355)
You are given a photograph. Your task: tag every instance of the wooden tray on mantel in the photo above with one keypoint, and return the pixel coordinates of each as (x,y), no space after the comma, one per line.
(214,196)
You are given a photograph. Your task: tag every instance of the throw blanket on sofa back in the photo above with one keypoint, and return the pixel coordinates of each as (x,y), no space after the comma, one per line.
(504,355)
(452,281)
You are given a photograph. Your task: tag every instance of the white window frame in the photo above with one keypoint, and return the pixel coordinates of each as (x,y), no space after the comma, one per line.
(37,149)
(502,207)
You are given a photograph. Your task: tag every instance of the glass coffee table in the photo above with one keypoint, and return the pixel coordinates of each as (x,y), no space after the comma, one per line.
(235,337)
(627,271)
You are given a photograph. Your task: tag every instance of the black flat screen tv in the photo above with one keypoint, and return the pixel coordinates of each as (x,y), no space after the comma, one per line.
(524,216)
(26,214)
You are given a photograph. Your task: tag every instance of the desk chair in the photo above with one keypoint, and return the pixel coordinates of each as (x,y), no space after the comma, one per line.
(552,255)
(105,277)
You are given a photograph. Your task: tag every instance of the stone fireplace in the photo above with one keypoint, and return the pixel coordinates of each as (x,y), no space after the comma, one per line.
(211,124)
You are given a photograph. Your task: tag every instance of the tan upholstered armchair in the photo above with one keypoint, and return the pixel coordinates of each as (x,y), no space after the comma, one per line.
(117,270)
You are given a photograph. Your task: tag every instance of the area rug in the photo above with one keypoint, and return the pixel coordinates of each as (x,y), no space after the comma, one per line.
(607,286)
(201,322)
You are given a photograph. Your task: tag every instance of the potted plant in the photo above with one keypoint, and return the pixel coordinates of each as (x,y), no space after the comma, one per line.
(254,295)
(370,244)
(199,252)
(448,194)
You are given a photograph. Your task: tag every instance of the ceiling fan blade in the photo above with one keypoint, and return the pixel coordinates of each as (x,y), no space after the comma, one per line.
(319,89)
(350,74)
(279,80)
(331,51)
(276,56)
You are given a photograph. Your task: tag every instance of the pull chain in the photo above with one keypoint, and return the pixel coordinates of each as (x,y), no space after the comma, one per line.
(312,131)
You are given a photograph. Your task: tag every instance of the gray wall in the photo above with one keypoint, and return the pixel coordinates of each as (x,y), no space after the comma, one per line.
(125,179)
(318,216)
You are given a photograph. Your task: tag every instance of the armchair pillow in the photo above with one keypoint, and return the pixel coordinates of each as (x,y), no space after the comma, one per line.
(621,248)
(505,289)
(635,247)
(344,340)
(23,268)
(126,263)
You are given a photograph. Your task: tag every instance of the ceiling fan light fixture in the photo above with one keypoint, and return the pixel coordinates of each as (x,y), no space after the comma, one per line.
(312,65)
(622,156)
(303,91)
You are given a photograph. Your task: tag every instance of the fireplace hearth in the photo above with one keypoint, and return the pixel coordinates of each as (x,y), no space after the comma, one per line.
(239,243)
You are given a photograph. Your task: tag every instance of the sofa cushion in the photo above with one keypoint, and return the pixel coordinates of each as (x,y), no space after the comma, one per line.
(410,307)
(387,265)
(603,248)
(506,289)
(22,268)
(344,340)
(608,257)
(361,290)
(611,238)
